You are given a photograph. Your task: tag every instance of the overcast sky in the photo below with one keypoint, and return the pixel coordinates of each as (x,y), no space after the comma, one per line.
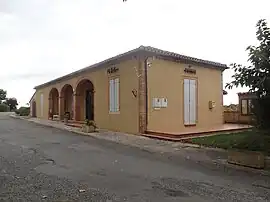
(44,39)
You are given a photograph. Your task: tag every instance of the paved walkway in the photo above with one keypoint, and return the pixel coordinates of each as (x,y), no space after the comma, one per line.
(210,157)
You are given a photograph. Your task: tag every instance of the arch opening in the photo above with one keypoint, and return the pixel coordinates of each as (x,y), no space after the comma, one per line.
(53,102)
(85,100)
(67,100)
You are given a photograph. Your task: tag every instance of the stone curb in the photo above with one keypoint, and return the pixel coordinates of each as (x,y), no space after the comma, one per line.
(51,126)
(150,148)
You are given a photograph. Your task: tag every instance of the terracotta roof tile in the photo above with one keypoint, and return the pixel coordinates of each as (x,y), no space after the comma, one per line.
(149,49)
(183,57)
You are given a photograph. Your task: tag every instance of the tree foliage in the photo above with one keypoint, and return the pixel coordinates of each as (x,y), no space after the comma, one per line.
(257,76)
(4,108)
(6,103)
(12,103)
(3,95)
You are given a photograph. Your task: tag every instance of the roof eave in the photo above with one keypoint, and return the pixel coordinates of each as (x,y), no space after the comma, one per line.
(220,66)
(184,58)
(146,49)
(91,67)
(32,97)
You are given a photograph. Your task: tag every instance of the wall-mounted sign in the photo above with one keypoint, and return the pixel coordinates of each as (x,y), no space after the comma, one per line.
(112,70)
(190,71)
(164,102)
(156,103)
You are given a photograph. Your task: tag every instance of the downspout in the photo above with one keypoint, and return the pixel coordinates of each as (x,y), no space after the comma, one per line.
(146,91)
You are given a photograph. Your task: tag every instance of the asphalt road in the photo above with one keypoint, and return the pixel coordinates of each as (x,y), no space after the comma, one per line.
(45,164)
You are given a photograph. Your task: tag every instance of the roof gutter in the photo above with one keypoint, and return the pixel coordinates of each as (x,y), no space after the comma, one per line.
(91,67)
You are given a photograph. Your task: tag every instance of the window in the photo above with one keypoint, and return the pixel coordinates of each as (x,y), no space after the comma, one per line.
(190,102)
(246,106)
(114,95)
(250,106)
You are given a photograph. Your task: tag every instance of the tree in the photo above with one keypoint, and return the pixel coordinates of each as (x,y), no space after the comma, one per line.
(257,75)
(3,95)
(4,108)
(12,103)
(9,103)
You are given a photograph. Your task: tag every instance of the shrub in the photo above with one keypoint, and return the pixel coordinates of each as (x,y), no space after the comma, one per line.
(90,123)
(23,111)
(261,111)
(4,108)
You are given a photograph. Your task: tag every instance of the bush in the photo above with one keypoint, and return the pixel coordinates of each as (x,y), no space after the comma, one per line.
(4,108)
(261,111)
(23,111)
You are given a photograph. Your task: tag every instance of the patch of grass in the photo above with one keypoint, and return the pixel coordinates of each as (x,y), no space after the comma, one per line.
(252,140)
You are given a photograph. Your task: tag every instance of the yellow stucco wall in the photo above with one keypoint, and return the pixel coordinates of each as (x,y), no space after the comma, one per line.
(165,79)
(127,119)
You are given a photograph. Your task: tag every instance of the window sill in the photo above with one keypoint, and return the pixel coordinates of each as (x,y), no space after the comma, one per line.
(114,112)
(190,125)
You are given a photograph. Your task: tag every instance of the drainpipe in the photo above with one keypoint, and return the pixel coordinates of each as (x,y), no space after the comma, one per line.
(146,90)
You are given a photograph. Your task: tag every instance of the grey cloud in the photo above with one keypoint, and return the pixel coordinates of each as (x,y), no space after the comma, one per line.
(30,18)
(5,6)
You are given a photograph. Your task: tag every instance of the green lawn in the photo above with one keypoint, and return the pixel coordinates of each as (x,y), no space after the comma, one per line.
(248,140)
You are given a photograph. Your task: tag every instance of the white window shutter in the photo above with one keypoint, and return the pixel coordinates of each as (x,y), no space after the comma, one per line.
(111,95)
(41,105)
(186,101)
(192,101)
(117,94)
(114,95)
